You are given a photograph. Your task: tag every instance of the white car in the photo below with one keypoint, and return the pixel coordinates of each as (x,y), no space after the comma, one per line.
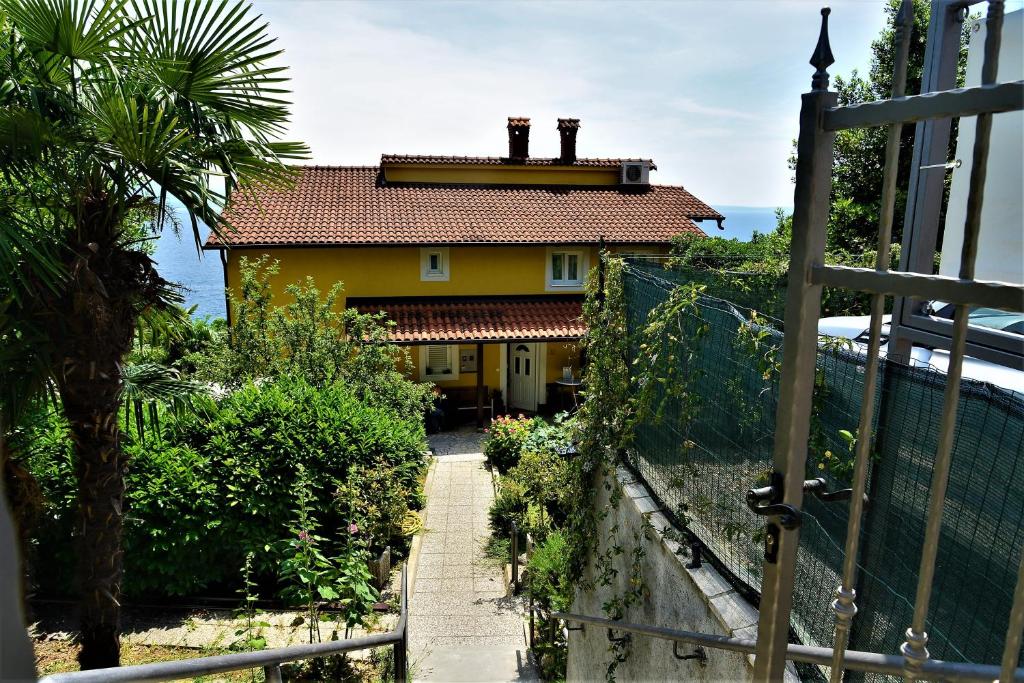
(855,328)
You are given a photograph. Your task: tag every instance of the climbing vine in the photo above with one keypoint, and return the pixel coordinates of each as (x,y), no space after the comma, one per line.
(620,394)
(649,374)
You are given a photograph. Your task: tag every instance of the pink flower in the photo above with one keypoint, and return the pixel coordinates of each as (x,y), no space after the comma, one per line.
(303,536)
(353,528)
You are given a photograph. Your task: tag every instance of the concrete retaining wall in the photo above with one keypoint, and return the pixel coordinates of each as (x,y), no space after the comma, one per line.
(688,599)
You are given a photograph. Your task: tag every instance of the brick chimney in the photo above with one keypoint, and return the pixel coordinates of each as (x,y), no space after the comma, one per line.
(567,129)
(518,138)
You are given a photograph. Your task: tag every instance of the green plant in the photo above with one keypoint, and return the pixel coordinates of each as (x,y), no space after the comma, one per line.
(544,479)
(309,575)
(219,482)
(549,584)
(509,506)
(311,337)
(249,637)
(108,108)
(506,437)
(314,576)
(547,573)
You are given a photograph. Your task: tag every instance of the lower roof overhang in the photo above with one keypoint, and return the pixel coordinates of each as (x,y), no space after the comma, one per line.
(470,320)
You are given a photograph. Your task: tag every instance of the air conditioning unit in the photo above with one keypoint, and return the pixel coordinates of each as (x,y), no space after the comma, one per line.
(635,173)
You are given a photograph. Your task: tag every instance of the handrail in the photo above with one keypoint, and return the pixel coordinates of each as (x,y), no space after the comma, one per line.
(861,661)
(270,659)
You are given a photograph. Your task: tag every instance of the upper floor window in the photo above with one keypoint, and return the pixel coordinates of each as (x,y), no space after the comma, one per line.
(566,268)
(434,264)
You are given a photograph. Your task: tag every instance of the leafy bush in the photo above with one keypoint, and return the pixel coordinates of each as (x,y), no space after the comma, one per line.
(510,505)
(754,273)
(309,337)
(507,436)
(548,583)
(547,573)
(220,482)
(544,477)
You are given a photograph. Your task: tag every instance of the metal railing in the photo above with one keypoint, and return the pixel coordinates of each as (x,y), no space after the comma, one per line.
(269,660)
(932,669)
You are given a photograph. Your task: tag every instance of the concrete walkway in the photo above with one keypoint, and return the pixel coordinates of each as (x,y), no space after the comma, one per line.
(462,627)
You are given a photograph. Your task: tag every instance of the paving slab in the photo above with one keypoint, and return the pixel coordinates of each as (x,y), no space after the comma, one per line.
(462,627)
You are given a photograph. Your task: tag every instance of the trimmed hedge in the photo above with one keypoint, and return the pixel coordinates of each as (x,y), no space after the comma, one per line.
(219,482)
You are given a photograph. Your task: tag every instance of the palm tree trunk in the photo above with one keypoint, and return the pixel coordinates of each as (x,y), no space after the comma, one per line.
(96,321)
(100,470)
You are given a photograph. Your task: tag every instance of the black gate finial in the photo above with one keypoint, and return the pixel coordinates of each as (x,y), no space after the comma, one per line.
(822,57)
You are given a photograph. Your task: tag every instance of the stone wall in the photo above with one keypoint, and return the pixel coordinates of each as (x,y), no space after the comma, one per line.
(677,597)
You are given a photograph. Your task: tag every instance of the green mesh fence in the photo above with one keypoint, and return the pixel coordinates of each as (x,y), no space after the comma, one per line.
(700,468)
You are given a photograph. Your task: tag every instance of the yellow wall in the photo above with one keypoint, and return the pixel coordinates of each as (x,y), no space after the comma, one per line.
(395,271)
(503,174)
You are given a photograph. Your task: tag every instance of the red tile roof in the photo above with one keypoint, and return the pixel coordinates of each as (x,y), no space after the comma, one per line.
(479,320)
(339,206)
(402,159)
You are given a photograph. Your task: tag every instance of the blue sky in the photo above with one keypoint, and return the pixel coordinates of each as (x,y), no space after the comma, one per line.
(709,90)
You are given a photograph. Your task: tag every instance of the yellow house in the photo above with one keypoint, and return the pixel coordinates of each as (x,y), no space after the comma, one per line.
(480,261)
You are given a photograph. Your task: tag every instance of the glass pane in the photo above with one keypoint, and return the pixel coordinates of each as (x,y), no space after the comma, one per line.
(435,262)
(556,266)
(517,365)
(527,367)
(573,263)
(437,359)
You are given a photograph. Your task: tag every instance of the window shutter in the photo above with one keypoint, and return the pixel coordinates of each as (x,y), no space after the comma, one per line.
(437,359)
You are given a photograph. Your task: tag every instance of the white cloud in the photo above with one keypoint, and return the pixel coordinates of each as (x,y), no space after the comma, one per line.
(709,90)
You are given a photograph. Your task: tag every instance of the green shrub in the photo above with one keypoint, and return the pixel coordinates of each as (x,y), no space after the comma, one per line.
(311,337)
(510,505)
(220,482)
(544,477)
(505,439)
(548,583)
(547,573)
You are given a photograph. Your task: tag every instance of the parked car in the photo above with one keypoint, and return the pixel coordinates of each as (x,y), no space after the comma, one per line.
(855,328)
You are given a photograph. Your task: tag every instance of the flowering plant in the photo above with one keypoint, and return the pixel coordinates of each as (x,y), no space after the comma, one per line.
(313,576)
(506,437)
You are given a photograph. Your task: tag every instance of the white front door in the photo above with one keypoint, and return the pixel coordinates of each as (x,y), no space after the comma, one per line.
(524,377)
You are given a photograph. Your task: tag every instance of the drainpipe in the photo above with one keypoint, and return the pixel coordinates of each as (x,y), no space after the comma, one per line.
(480,385)
(227,299)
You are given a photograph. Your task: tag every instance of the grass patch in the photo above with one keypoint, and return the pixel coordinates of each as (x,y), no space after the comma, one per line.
(59,656)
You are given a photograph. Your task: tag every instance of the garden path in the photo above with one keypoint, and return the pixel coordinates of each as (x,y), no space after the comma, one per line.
(462,627)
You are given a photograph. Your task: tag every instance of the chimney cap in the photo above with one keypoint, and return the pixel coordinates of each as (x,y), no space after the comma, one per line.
(568,123)
(518,121)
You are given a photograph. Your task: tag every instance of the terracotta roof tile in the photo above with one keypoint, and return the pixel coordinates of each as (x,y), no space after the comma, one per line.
(479,320)
(519,121)
(331,206)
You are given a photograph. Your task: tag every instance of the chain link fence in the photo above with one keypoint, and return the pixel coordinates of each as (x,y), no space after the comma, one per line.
(701,456)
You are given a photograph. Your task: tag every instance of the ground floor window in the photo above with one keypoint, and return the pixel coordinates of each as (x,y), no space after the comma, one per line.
(439,362)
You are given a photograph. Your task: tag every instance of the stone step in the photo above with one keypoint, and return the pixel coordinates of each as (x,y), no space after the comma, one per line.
(478,664)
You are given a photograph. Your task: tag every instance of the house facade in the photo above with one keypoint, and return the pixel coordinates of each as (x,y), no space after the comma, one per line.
(481,262)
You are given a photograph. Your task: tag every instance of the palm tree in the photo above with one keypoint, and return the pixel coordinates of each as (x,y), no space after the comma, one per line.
(108,108)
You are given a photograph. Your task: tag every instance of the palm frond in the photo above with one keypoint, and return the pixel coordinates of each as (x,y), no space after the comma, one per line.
(215,54)
(66,31)
(152,382)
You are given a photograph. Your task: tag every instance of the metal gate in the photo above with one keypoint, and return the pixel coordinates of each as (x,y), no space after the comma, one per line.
(820,118)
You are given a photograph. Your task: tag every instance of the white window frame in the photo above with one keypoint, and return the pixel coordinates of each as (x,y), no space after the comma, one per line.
(583,266)
(453,363)
(428,275)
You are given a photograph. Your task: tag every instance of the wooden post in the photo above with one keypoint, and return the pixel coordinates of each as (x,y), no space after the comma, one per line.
(479,385)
